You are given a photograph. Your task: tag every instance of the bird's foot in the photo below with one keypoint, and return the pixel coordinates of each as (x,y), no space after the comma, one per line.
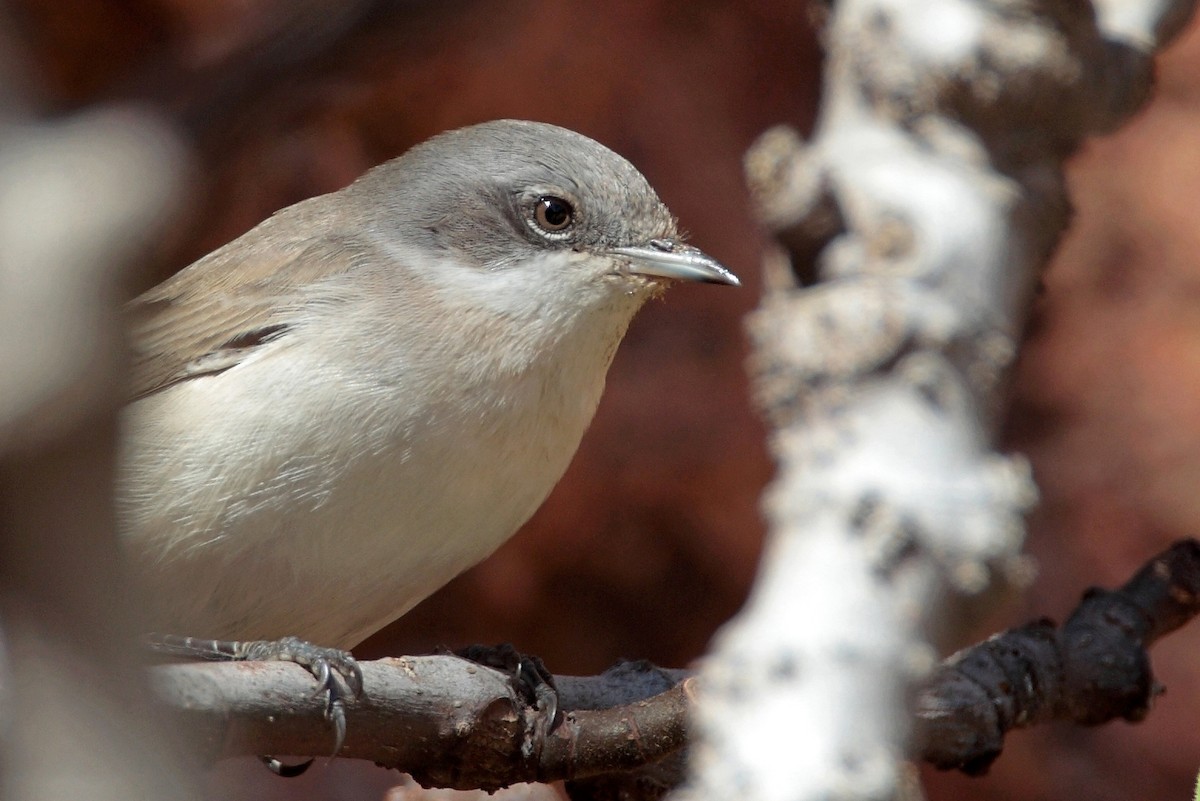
(325,664)
(531,681)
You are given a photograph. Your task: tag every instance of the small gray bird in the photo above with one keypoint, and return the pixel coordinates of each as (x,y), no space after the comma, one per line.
(366,394)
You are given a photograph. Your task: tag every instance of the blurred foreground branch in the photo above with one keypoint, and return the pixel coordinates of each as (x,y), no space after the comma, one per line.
(77,199)
(926,204)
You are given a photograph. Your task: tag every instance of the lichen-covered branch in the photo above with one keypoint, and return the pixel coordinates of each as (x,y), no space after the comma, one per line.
(925,205)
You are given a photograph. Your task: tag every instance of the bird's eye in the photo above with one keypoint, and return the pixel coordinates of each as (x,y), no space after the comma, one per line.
(553,213)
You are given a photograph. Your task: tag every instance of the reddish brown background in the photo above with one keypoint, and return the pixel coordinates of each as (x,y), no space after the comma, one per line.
(651,540)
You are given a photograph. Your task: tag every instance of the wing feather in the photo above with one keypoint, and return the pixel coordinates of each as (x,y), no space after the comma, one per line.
(213,314)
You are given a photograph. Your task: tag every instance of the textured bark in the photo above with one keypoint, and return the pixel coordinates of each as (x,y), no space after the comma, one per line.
(1092,670)
(446,721)
(925,206)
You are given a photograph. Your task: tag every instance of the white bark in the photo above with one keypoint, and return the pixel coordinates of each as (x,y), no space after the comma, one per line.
(929,197)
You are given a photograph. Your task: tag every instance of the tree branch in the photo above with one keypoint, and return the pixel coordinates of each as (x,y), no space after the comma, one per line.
(452,723)
(1092,670)
(80,197)
(927,202)
(445,720)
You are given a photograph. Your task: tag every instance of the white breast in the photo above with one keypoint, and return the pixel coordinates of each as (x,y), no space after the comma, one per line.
(297,495)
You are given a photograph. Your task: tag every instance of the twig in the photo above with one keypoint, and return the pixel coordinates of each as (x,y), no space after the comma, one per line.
(1092,670)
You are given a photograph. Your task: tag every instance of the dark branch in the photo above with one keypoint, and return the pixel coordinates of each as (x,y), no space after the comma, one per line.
(1095,668)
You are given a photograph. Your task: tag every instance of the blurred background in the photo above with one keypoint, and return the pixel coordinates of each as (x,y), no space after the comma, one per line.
(651,540)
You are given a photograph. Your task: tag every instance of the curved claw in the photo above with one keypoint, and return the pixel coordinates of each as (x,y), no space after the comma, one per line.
(335,713)
(531,680)
(286,771)
(322,663)
(544,692)
(324,676)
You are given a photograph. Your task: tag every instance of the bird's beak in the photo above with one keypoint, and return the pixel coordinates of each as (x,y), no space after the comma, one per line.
(665,258)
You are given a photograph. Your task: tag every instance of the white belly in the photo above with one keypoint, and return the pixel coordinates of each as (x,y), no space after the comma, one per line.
(372,504)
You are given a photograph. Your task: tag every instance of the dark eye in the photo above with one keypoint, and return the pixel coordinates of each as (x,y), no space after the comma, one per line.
(553,213)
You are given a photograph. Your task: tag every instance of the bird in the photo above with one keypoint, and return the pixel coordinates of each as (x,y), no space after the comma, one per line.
(339,411)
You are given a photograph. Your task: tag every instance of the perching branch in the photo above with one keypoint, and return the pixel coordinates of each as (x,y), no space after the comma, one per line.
(452,723)
(446,721)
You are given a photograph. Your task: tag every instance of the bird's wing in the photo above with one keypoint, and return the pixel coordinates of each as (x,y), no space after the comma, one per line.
(215,313)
